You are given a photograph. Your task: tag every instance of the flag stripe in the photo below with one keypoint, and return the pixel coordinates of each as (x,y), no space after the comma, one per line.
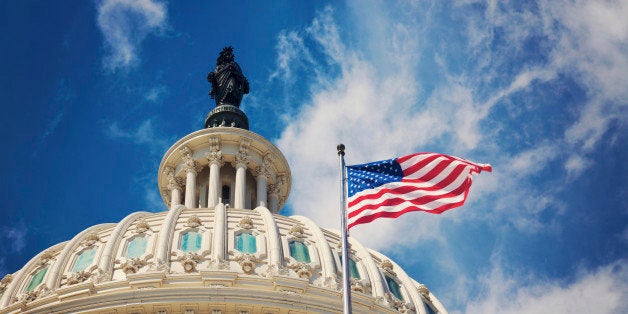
(427,182)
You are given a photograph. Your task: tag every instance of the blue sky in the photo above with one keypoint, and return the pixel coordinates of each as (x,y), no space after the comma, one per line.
(94,92)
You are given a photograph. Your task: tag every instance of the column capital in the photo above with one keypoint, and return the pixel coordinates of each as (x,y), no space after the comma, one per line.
(275,188)
(189,164)
(266,168)
(214,156)
(241,159)
(173,182)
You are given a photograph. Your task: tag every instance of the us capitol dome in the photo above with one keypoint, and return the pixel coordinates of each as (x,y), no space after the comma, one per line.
(222,247)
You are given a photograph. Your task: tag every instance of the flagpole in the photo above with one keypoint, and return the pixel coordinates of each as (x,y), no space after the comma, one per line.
(346,290)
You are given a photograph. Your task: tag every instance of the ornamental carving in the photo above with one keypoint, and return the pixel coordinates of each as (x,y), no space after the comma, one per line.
(296,231)
(77,277)
(193,222)
(189,261)
(31,296)
(387,266)
(246,223)
(4,283)
(173,182)
(132,265)
(91,239)
(142,226)
(424,291)
(214,154)
(46,257)
(303,270)
(189,164)
(247,262)
(357,285)
(398,304)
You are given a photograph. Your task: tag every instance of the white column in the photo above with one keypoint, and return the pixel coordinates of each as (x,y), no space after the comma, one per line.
(261,190)
(274,198)
(240,186)
(191,169)
(213,192)
(174,186)
(190,187)
(215,160)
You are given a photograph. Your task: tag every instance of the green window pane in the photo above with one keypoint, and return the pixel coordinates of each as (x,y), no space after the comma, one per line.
(84,259)
(394,288)
(246,243)
(137,247)
(37,279)
(299,251)
(191,242)
(353,268)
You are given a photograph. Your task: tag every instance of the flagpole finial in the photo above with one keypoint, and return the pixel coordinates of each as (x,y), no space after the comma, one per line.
(341,149)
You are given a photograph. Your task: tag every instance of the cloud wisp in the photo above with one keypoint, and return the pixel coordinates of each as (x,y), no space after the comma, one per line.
(124,25)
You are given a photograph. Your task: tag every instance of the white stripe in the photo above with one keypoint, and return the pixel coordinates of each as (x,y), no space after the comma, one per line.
(444,173)
(427,168)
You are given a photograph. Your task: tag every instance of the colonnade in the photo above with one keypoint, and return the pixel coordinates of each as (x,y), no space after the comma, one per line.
(267,195)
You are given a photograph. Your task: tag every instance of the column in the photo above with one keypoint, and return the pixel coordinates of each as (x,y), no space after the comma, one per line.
(215,160)
(240,180)
(262,173)
(191,169)
(240,164)
(174,186)
(274,190)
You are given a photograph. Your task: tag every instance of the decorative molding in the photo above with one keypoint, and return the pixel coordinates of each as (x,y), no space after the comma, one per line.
(189,261)
(303,270)
(215,154)
(297,231)
(173,182)
(424,291)
(247,262)
(189,164)
(4,283)
(387,266)
(193,222)
(31,296)
(46,257)
(242,157)
(142,226)
(246,223)
(132,265)
(91,239)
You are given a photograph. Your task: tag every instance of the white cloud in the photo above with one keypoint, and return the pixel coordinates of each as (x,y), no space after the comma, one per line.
(124,25)
(144,134)
(604,290)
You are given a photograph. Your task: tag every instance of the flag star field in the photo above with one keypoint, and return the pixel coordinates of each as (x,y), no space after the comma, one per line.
(95,92)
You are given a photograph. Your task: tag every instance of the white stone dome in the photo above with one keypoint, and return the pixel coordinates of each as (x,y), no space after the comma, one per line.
(201,260)
(222,247)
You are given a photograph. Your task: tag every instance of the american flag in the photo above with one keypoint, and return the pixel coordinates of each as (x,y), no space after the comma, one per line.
(390,188)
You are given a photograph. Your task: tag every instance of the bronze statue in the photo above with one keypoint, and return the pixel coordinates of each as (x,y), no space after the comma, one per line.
(228,82)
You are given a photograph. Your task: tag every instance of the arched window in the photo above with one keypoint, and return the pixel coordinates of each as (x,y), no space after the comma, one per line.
(190,241)
(299,251)
(84,259)
(226,192)
(394,288)
(37,279)
(136,247)
(353,268)
(246,243)
(429,309)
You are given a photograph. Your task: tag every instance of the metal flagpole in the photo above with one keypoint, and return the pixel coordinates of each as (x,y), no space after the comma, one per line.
(346,288)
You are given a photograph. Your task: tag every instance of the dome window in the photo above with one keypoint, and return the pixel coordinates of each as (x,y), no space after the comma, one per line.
(394,288)
(429,309)
(299,251)
(246,243)
(84,259)
(37,279)
(136,247)
(191,242)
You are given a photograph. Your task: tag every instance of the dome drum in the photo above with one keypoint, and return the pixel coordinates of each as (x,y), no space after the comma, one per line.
(237,166)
